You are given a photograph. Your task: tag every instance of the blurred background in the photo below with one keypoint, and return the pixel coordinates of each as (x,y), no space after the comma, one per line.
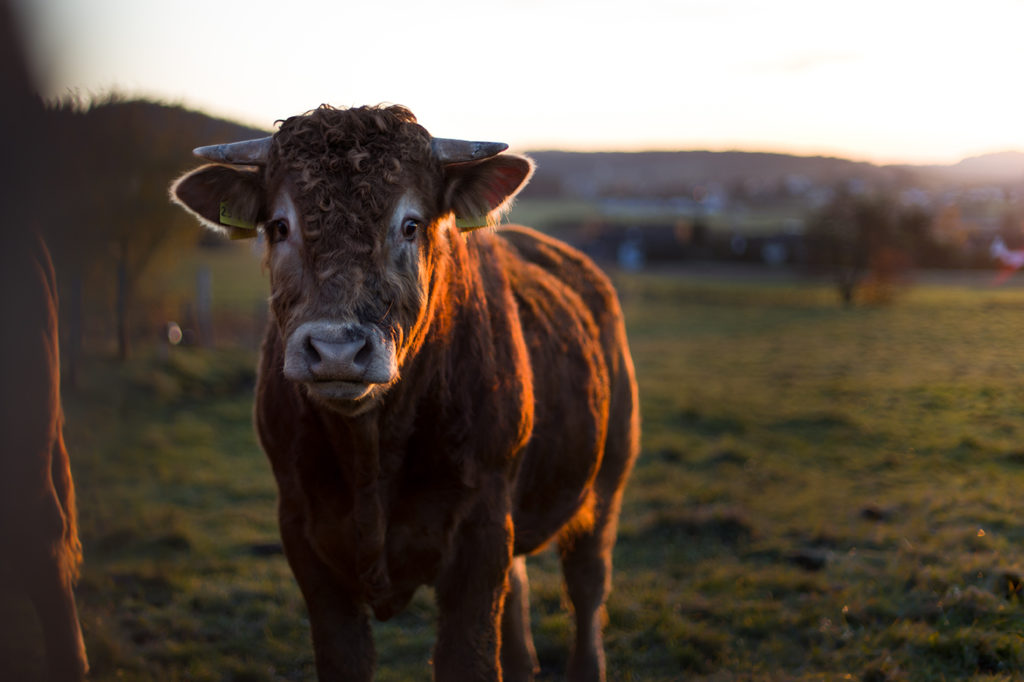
(813,214)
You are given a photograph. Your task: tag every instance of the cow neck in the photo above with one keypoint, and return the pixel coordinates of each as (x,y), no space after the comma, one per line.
(458,350)
(433,328)
(426,359)
(363,463)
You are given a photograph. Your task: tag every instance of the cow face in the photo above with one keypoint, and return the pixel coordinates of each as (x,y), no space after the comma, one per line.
(358,209)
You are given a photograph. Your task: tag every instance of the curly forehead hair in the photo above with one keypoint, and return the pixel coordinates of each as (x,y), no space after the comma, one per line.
(347,163)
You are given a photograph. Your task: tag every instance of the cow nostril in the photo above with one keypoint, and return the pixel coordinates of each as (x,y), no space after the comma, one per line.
(364,355)
(312,354)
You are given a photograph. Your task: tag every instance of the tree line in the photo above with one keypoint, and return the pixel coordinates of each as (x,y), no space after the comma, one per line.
(870,242)
(104,208)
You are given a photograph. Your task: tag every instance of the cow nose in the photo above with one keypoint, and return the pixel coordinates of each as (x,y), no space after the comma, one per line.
(325,351)
(330,359)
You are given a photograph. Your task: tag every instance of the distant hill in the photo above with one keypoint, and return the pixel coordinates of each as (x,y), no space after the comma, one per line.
(630,174)
(172,130)
(999,167)
(672,173)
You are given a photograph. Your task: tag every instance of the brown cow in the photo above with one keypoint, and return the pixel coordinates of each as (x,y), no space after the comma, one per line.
(39,549)
(435,406)
(38,530)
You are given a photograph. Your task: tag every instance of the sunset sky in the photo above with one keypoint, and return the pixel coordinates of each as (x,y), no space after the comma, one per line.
(885,81)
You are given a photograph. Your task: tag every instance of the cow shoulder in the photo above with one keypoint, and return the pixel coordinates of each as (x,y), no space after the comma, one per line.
(571,268)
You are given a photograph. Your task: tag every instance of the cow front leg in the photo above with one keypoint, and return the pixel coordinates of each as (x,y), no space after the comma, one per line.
(471,591)
(339,623)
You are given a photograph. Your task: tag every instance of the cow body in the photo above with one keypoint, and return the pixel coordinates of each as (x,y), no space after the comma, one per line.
(474,404)
(39,542)
(40,552)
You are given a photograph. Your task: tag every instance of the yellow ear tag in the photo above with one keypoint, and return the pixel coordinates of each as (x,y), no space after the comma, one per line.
(473,223)
(226,218)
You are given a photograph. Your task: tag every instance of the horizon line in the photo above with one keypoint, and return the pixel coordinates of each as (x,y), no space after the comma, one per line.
(93,99)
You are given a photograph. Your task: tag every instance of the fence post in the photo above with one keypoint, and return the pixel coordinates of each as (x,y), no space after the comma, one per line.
(204,306)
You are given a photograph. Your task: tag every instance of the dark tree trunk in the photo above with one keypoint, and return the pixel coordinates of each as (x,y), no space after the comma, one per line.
(204,306)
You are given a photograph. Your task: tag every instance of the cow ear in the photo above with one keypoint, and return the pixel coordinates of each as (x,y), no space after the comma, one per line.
(478,192)
(225,199)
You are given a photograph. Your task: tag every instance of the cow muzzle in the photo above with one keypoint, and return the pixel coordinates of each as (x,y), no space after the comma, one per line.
(339,361)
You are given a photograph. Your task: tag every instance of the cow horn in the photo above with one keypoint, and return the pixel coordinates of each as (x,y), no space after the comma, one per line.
(461,151)
(247,152)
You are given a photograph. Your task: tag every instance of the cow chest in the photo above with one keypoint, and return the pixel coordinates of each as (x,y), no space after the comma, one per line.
(419,507)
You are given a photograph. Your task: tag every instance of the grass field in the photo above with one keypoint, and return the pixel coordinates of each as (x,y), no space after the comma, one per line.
(823,493)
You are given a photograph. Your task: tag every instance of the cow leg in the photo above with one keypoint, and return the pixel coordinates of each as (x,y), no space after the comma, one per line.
(471,591)
(587,568)
(47,565)
(49,587)
(518,655)
(340,625)
(587,552)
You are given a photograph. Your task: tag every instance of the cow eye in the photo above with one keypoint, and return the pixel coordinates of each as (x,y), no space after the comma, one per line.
(409,228)
(277,230)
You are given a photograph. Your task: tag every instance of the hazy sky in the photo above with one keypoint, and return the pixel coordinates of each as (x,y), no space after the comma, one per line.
(880,80)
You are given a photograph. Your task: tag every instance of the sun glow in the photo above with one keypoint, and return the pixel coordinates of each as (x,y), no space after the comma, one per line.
(910,81)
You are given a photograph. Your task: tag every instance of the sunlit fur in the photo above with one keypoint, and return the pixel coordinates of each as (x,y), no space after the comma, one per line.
(38,520)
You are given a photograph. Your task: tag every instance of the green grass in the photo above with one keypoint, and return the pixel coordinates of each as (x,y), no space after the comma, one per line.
(823,493)
(838,487)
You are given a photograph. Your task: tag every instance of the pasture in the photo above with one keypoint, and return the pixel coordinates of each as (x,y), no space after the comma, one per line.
(823,493)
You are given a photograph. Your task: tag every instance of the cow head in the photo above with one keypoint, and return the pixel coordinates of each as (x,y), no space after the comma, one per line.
(358,208)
